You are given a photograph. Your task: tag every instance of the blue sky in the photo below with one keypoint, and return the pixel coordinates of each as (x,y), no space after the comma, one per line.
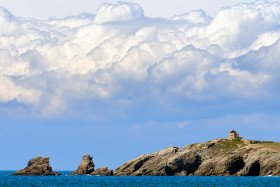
(123,80)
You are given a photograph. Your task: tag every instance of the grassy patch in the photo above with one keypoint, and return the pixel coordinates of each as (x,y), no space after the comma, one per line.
(271,145)
(227,145)
(260,142)
(267,141)
(237,142)
(274,146)
(201,145)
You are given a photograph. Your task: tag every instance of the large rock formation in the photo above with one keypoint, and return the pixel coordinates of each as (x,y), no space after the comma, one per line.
(220,157)
(86,166)
(103,171)
(37,166)
(151,164)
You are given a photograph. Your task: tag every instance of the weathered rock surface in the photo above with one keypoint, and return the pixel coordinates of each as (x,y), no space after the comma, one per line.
(86,166)
(37,166)
(151,164)
(220,157)
(103,171)
(225,165)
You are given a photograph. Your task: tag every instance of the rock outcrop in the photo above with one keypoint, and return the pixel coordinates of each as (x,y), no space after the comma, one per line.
(225,165)
(37,166)
(103,171)
(86,166)
(148,165)
(220,157)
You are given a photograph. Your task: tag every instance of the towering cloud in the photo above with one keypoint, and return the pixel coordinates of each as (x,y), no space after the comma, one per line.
(123,59)
(118,12)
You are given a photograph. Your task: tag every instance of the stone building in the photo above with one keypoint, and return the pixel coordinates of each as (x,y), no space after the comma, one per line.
(232,135)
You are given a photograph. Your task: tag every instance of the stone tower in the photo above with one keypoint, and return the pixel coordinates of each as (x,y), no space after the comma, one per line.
(232,135)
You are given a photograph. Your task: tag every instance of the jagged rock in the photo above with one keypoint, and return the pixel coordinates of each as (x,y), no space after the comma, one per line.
(131,166)
(250,169)
(183,163)
(207,168)
(37,166)
(86,166)
(234,164)
(147,165)
(221,166)
(270,165)
(220,157)
(103,171)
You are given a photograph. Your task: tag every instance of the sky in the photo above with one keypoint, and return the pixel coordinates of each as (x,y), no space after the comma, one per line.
(42,9)
(120,79)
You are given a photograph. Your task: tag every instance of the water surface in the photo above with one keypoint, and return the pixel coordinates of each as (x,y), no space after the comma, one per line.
(6,179)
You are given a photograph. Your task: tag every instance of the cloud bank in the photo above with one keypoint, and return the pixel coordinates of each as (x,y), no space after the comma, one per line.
(119,60)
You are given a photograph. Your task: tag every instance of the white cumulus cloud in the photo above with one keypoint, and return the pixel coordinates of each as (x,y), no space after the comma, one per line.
(118,12)
(119,58)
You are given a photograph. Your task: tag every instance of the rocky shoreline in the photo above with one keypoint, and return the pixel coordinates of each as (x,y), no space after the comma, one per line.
(220,157)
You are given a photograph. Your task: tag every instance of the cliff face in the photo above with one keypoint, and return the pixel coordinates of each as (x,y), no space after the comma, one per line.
(219,157)
(37,166)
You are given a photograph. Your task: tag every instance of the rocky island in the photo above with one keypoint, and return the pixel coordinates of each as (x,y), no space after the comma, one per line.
(87,168)
(220,157)
(37,166)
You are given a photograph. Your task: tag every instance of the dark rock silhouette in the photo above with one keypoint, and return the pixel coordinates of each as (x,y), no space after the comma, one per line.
(37,166)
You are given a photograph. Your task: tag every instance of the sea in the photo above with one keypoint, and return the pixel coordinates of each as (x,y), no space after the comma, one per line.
(6,179)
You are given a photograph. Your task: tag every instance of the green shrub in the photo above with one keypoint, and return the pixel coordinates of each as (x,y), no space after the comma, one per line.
(267,141)
(260,142)
(255,142)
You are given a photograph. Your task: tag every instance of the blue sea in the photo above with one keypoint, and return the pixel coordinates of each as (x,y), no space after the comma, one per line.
(6,179)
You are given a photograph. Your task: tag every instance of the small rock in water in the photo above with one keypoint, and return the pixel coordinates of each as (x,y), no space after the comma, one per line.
(37,166)
(103,171)
(86,166)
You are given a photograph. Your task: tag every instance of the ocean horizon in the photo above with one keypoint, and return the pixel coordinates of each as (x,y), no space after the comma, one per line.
(6,179)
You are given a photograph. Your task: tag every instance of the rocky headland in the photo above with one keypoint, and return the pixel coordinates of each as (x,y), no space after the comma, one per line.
(37,166)
(220,157)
